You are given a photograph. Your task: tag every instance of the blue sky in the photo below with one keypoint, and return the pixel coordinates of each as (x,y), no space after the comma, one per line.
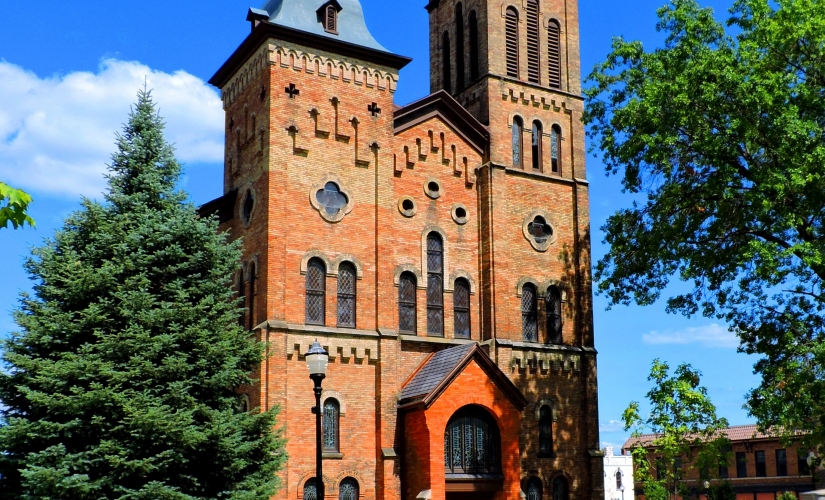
(70,70)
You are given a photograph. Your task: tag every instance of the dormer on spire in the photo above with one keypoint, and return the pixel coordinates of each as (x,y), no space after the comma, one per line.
(328,16)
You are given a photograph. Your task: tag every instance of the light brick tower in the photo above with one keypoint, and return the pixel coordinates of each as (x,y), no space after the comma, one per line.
(439,253)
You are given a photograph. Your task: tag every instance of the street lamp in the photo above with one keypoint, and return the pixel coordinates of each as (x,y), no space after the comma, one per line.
(621,488)
(707,489)
(317,361)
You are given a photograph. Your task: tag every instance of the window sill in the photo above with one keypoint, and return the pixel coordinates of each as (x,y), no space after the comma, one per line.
(330,455)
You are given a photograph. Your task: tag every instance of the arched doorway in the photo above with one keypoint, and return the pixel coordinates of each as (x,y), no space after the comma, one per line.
(472,455)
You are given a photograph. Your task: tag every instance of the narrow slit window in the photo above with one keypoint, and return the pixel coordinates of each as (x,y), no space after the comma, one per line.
(446,63)
(407,287)
(555,149)
(461,308)
(330,425)
(518,133)
(554,53)
(533,70)
(553,309)
(529,306)
(242,298)
(545,431)
(316,292)
(435,285)
(459,48)
(331,20)
(252,278)
(537,135)
(511,39)
(346,295)
(560,491)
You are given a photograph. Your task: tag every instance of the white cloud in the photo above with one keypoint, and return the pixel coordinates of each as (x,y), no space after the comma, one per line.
(611,426)
(57,134)
(712,335)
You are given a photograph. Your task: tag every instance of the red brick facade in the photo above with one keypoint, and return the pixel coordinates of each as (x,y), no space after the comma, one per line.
(301,112)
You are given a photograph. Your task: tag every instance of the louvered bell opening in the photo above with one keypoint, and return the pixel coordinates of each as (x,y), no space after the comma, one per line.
(332,20)
(511,34)
(533,71)
(554,54)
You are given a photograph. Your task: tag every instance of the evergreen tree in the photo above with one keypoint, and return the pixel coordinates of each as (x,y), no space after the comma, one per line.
(122,382)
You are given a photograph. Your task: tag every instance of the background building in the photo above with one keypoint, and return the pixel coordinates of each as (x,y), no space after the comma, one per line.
(618,476)
(760,467)
(440,251)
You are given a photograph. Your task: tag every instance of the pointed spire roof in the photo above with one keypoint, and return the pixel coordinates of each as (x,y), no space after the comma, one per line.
(303,15)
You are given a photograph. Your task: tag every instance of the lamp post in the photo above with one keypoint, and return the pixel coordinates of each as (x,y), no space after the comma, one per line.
(317,361)
(707,489)
(621,488)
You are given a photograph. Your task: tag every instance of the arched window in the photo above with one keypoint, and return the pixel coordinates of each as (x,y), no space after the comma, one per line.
(518,132)
(330,425)
(534,489)
(252,278)
(545,431)
(473,46)
(554,53)
(407,287)
(316,292)
(555,149)
(459,48)
(348,489)
(511,35)
(618,479)
(435,285)
(552,303)
(529,323)
(242,299)
(461,308)
(533,66)
(310,489)
(446,63)
(346,295)
(331,20)
(471,443)
(537,133)
(560,488)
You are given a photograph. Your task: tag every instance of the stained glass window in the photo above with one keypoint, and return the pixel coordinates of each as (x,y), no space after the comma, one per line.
(310,490)
(537,133)
(330,425)
(555,148)
(316,291)
(560,488)
(553,308)
(529,318)
(331,199)
(545,430)
(534,489)
(471,443)
(407,287)
(518,128)
(461,308)
(435,285)
(346,295)
(348,489)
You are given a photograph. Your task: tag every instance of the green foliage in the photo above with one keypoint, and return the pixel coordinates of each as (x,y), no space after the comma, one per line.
(787,495)
(122,382)
(13,206)
(723,491)
(686,432)
(724,136)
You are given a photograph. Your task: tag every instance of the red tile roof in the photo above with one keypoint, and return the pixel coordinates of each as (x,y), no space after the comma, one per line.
(734,433)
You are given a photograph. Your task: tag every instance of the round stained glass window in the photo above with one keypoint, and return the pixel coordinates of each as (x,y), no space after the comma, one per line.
(331,199)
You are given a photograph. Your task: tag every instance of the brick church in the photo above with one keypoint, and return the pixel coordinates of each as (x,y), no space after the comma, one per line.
(440,250)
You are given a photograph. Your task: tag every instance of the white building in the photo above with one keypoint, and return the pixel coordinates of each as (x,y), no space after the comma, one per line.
(618,476)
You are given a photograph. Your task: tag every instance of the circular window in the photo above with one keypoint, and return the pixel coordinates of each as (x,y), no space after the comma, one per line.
(460,214)
(432,188)
(407,206)
(247,207)
(331,199)
(539,231)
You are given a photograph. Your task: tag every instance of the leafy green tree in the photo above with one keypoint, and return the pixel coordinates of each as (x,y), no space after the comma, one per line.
(13,207)
(721,138)
(683,433)
(123,382)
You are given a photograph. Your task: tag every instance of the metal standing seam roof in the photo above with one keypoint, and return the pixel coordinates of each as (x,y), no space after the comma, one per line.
(302,15)
(436,369)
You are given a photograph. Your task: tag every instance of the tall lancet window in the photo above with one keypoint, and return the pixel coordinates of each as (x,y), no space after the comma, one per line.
(459,48)
(533,70)
(518,132)
(554,53)
(435,285)
(446,63)
(473,46)
(537,133)
(555,149)
(511,39)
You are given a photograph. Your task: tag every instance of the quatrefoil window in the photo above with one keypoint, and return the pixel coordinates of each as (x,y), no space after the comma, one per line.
(331,199)
(539,231)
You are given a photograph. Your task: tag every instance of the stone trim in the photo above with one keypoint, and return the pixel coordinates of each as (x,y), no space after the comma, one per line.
(564,288)
(315,254)
(407,213)
(314,201)
(436,340)
(427,230)
(337,347)
(545,361)
(248,267)
(362,485)
(433,193)
(342,404)
(336,264)
(554,412)
(454,213)
(450,285)
(523,281)
(244,191)
(403,268)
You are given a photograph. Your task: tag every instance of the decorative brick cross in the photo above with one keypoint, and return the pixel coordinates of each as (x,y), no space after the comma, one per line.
(374,109)
(292,91)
